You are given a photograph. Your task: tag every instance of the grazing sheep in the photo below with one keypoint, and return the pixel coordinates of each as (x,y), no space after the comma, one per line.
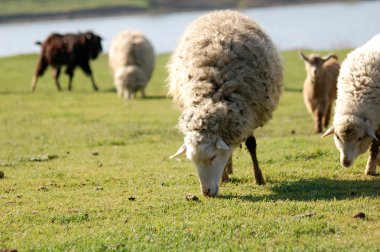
(70,50)
(131,58)
(319,89)
(357,114)
(226,77)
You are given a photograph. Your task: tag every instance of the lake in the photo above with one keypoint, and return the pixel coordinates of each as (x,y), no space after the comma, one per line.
(314,26)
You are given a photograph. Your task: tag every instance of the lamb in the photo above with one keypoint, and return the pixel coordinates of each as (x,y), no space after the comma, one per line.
(319,90)
(226,77)
(356,123)
(131,58)
(70,50)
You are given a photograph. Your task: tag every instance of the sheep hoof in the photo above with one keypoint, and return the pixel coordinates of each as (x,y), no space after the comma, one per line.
(370,173)
(260,181)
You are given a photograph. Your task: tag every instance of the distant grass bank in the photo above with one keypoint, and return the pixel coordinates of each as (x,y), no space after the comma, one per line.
(34,10)
(86,171)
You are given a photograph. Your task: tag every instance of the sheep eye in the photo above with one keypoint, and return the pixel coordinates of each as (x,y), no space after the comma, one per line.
(360,138)
(212,158)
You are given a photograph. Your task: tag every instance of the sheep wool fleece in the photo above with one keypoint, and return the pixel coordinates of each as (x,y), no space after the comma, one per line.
(226,77)
(359,86)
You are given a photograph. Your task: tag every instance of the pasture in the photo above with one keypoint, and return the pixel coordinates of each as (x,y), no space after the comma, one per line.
(86,171)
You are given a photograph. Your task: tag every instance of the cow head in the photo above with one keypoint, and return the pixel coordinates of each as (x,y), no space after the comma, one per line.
(93,44)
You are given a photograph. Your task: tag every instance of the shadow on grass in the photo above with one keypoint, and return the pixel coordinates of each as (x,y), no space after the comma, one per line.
(148,97)
(317,189)
(291,89)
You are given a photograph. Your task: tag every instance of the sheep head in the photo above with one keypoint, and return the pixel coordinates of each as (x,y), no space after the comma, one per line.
(314,63)
(210,155)
(352,137)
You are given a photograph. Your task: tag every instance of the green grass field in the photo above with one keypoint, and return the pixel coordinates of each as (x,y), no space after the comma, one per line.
(86,171)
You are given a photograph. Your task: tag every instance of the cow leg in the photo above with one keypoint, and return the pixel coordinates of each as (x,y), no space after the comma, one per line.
(372,160)
(42,64)
(34,83)
(87,69)
(56,73)
(70,73)
(251,146)
(227,170)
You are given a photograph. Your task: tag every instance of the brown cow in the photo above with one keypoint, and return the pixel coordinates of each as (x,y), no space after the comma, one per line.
(70,50)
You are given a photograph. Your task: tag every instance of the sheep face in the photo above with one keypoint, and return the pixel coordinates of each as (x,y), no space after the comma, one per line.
(351,140)
(209,158)
(314,64)
(128,80)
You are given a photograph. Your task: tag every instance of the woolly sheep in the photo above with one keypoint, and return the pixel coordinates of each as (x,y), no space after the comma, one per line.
(357,113)
(226,77)
(319,89)
(131,58)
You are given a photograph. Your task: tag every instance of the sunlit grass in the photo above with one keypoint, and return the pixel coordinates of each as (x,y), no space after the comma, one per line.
(86,171)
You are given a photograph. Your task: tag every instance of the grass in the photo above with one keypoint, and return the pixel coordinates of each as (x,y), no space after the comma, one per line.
(43,6)
(86,171)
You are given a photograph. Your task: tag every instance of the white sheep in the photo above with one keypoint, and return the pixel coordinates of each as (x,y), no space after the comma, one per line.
(357,113)
(131,58)
(319,89)
(226,77)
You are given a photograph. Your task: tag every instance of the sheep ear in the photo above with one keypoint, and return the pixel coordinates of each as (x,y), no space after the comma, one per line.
(328,132)
(371,133)
(304,57)
(220,144)
(180,151)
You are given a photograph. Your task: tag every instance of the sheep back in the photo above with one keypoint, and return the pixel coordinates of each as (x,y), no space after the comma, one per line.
(359,84)
(225,75)
(131,48)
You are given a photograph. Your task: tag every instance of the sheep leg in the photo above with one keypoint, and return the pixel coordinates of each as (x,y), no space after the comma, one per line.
(372,160)
(327,117)
(251,146)
(318,122)
(126,94)
(142,93)
(119,91)
(227,170)
(56,73)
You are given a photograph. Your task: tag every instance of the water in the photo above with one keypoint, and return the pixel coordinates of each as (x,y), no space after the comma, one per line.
(317,26)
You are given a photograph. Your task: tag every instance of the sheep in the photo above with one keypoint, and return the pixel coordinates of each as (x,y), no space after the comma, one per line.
(226,77)
(356,123)
(71,50)
(319,89)
(131,58)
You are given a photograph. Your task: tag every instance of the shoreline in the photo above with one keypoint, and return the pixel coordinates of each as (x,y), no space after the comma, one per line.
(110,11)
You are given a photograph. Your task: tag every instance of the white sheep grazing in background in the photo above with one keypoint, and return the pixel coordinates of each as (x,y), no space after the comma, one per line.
(131,58)
(357,113)
(319,89)
(226,77)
